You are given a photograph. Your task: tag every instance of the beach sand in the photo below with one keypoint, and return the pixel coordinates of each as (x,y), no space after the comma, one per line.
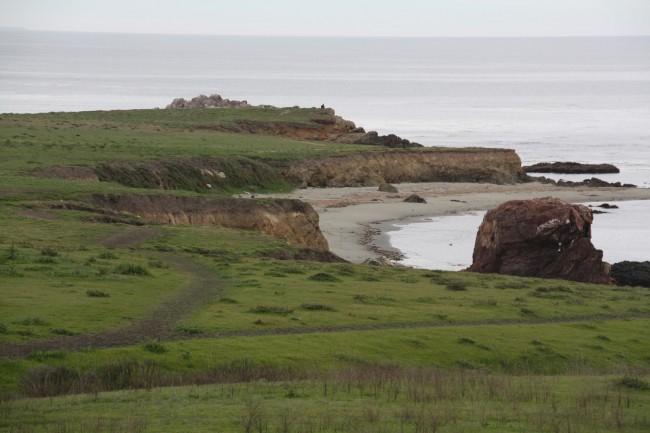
(354,220)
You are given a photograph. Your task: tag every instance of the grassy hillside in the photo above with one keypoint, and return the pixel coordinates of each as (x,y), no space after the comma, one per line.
(30,141)
(207,317)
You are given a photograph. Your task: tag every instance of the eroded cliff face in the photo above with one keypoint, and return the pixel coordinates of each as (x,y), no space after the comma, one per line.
(373,168)
(291,220)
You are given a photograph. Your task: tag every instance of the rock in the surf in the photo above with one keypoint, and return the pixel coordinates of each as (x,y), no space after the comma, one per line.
(544,237)
(631,273)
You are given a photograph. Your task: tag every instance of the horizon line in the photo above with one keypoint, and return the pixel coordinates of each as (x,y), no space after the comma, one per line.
(25,29)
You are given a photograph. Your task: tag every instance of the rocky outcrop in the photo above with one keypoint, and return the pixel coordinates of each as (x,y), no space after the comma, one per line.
(414,198)
(373,138)
(203,101)
(594,182)
(312,124)
(631,273)
(571,168)
(544,237)
(374,168)
(387,187)
(291,220)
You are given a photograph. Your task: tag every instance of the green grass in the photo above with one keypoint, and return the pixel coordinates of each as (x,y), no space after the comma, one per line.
(388,298)
(29,141)
(54,288)
(351,401)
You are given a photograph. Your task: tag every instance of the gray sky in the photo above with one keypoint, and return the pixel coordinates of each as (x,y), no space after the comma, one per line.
(335,17)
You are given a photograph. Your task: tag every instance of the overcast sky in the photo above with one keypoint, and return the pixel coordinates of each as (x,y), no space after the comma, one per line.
(335,17)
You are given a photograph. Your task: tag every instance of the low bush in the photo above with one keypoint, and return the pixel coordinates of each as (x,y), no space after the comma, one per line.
(189,330)
(317,307)
(107,255)
(456,286)
(42,355)
(270,309)
(155,348)
(31,321)
(49,252)
(131,269)
(46,260)
(62,331)
(324,278)
(158,264)
(228,301)
(3,328)
(634,383)
(92,293)
(528,312)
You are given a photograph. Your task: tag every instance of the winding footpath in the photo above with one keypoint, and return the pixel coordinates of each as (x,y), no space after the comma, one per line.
(202,286)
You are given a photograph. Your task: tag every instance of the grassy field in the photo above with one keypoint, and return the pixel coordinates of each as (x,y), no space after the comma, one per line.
(29,141)
(354,400)
(226,338)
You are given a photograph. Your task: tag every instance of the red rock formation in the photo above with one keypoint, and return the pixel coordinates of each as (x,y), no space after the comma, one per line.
(544,237)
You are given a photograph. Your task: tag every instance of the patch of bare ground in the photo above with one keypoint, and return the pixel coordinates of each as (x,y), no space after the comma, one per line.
(38,214)
(130,237)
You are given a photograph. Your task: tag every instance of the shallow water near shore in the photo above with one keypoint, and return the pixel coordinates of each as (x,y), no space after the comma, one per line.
(447,242)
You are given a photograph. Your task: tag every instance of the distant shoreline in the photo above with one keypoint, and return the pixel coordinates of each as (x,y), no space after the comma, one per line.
(355,220)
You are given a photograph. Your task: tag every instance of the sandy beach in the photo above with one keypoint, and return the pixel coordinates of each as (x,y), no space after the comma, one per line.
(354,220)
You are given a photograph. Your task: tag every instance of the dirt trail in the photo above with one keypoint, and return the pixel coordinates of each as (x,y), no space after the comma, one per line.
(131,237)
(170,335)
(201,287)
(415,325)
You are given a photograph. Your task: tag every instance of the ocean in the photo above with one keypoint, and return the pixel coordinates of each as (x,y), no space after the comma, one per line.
(566,99)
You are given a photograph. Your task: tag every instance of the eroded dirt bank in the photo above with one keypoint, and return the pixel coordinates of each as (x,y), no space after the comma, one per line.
(501,166)
(291,220)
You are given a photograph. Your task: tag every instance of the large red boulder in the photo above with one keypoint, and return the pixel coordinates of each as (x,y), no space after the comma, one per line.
(544,237)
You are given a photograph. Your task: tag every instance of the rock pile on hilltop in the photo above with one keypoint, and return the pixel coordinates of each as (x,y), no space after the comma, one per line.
(544,237)
(202,101)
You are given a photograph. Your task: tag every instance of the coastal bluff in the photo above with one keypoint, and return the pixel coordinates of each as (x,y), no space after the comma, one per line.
(293,221)
(500,166)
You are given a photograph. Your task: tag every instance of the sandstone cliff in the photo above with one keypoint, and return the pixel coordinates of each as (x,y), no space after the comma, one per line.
(291,220)
(374,168)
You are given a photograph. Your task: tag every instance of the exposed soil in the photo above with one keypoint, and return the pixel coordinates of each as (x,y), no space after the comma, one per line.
(291,220)
(130,237)
(38,214)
